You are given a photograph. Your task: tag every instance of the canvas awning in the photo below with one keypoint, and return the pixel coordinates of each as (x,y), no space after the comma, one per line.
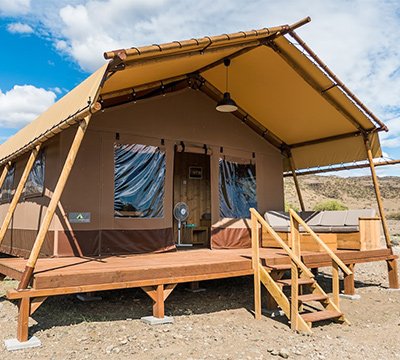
(283,93)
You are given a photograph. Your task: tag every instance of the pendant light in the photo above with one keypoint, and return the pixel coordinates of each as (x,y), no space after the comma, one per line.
(226,104)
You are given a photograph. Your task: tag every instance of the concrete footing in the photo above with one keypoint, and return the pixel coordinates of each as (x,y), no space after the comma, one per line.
(14,344)
(86,297)
(196,290)
(152,320)
(273,313)
(350,297)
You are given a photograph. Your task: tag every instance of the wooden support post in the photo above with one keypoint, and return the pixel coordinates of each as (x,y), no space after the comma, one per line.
(23,319)
(255,243)
(159,294)
(335,283)
(378,193)
(296,181)
(158,306)
(348,281)
(18,192)
(69,162)
(393,274)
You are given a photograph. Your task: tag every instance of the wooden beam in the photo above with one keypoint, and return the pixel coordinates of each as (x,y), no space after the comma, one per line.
(377,192)
(296,181)
(69,162)
(18,192)
(36,303)
(23,319)
(335,283)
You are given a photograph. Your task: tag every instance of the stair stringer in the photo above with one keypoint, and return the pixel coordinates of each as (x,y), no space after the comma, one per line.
(330,304)
(276,292)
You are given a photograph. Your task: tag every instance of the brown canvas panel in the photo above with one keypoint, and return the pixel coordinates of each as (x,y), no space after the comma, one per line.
(106,242)
(230,238)
(19,242)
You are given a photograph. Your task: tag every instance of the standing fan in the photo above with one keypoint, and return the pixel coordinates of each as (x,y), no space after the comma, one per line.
(181,213)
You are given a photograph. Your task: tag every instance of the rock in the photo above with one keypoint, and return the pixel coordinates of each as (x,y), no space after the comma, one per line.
(283,353)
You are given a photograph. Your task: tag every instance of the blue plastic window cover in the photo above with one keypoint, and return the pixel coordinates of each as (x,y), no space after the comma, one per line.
(237,189)
(139,181)
(6,191)
(35,183)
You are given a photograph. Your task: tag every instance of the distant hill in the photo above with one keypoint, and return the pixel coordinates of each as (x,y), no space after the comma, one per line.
(353,192)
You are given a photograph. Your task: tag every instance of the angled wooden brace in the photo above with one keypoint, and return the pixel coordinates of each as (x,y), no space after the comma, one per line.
(18,192)
(44,227)
(296,181)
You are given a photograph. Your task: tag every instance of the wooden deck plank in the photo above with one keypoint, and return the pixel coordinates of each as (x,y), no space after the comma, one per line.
(199,264)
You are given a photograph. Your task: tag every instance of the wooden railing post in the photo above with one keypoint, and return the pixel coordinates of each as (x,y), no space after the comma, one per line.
(44,227)
(18,192)
(335,283)
(295,240)
(255,243)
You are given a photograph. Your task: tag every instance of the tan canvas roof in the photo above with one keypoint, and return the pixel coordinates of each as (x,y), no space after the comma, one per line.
(285,93)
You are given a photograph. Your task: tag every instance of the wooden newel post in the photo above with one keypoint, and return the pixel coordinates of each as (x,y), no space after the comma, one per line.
(18,192)
(378,193)
(69,162)
(296,181)
(255,243)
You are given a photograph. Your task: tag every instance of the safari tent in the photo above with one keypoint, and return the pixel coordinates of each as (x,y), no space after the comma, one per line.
(99,173)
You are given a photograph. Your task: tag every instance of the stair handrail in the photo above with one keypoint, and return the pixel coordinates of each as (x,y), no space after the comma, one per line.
(332,255)
(282,244)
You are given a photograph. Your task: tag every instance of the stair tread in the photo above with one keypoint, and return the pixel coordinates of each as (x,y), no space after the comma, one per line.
(280,267)
(288,282)
(312,297)
(321,315)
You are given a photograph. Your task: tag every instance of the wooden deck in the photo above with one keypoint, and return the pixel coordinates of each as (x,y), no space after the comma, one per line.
(164,268)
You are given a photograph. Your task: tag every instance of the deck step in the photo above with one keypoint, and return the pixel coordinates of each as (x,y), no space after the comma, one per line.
(288,282)
(321,315)
(280,267)
(312,297)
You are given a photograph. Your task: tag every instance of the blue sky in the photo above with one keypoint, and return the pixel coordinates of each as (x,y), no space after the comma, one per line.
(49,46)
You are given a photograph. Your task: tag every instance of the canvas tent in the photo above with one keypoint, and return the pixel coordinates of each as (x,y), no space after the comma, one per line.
(295,112)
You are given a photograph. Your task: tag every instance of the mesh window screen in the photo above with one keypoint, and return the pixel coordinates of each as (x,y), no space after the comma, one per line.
(7,188)
(35,183)
(139,181)
(237,189)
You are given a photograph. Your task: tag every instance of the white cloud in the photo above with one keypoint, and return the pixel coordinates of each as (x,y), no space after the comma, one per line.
(358,39)
(19,28)
(22,104)
(14,7)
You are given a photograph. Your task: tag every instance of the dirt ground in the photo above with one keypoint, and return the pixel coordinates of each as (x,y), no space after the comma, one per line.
(214,324)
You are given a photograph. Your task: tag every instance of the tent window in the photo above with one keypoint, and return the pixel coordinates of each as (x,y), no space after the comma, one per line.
(35,183)
(6,190)
(139,181)
(237,189)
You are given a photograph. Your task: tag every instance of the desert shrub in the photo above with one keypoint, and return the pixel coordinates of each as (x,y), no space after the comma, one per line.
(330,205)
(394,216)
(291,206)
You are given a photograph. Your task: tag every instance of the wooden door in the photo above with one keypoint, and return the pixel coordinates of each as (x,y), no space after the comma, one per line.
(192,186)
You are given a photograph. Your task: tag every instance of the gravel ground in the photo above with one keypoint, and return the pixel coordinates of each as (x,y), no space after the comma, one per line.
(214,324)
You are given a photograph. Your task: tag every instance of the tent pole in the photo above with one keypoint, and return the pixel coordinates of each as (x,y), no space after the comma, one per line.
(4,173)
(377,193)
(44,227)
(18,192)
(296,181)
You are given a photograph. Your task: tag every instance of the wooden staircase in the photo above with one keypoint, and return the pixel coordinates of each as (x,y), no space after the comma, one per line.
(307,303)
